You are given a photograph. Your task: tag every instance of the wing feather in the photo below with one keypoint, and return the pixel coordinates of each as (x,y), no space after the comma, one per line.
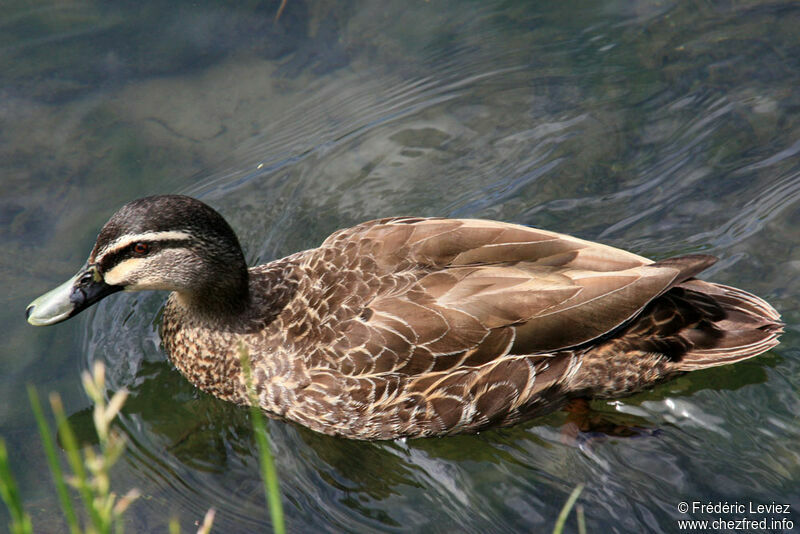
(449,284)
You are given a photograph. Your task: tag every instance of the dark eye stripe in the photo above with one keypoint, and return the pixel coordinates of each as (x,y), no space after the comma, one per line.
(110,260)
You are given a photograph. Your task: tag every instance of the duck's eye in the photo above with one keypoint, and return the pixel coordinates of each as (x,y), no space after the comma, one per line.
(141,249)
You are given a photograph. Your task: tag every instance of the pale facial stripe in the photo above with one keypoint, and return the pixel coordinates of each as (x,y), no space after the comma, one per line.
(128,239)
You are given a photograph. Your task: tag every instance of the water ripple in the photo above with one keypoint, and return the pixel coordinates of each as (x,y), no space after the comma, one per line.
(571,121)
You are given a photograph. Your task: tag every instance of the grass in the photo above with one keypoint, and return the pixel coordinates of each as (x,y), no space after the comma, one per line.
(89,468)
(53,463)
(20,520)
(562,516)
(268,472)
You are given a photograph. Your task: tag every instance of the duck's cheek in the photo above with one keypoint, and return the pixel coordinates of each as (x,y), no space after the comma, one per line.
(150,284)
(125,273)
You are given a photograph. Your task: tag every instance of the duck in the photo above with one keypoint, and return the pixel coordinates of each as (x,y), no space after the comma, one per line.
(409,327)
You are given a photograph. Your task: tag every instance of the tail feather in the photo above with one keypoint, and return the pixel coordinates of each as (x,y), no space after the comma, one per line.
(750,327)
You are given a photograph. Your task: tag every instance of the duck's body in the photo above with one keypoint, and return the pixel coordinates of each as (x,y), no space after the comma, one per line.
(420,327)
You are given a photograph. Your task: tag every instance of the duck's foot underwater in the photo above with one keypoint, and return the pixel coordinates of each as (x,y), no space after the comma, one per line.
(584,425)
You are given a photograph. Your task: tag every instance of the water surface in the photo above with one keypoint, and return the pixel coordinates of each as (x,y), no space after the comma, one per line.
(664,128)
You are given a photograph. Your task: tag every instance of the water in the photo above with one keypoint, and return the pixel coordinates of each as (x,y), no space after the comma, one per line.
(661,127)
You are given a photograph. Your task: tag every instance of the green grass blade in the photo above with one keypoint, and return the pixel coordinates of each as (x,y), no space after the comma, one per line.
(20,520)
(268,471)
(208,521)
(76,462)
(562,516)
(52,459)
(269,474)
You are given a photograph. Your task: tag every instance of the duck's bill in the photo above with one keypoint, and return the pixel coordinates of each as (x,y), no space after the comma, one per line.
(70,298)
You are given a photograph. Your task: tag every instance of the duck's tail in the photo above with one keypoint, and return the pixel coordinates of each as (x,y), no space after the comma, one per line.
(747,327)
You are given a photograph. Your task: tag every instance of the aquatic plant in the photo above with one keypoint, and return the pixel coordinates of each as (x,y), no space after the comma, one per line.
(562,516)
(269,475)
(89,468)
(20,520)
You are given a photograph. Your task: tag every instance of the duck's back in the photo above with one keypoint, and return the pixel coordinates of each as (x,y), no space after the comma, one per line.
(412,327)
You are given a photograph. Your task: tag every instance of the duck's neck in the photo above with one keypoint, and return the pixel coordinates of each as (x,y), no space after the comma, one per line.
(252,303)
(221,299)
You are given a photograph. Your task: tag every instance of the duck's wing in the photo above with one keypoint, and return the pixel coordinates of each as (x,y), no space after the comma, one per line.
(403,242)
(460,324)
(466,292)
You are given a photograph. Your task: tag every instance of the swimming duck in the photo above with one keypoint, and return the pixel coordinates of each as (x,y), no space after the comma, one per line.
(411,327)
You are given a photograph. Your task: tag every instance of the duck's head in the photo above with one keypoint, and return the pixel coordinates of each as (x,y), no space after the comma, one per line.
(168,242)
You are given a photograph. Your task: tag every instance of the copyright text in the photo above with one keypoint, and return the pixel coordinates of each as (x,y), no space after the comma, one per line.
(736,515)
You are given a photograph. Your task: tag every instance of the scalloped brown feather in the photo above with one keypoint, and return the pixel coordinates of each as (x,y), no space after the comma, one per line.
(413,327)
